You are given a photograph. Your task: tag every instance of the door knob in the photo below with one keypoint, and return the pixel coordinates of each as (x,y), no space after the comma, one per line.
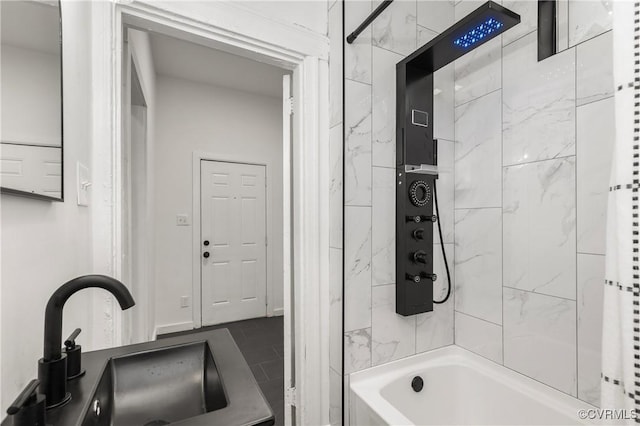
(206,242)
(205,254)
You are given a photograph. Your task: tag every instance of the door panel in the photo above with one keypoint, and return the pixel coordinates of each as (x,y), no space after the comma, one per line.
(233,276)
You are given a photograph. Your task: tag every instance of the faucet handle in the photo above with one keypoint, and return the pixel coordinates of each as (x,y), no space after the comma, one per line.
(29,407)
(70,343)
(27,395)
(74,356)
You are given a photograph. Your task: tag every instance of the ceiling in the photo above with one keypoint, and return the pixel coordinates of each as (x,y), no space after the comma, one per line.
(31,25)
(181,59)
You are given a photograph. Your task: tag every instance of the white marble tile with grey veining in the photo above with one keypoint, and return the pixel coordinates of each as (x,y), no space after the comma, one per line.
(528,11)
(478,72)
(539,232)
(590,295)
(335,65)
(439,268)
(357,350)
(478,263)
(588,19)
(335,398)
(357,162)
(478,166)
(596,138)
(393,336)
(538,103)
(425,35)
(443,103)
(594,69)
(357,55)
(435,329)
(540,338)
(335,308)
(357,268)
(335,188)
(395,28)
(384,229)
(445,189)
(479,336)
(435,15)
(384,107)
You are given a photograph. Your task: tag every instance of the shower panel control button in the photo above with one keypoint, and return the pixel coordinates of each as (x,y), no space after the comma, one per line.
(206,242)
(420,257)
(415,278)
(417,218)
(205,255)
(418,234)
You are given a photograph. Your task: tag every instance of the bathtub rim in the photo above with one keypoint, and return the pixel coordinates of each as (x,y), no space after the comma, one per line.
(367,385)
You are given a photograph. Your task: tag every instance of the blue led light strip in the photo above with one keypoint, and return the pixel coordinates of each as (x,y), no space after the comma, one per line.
(480,32)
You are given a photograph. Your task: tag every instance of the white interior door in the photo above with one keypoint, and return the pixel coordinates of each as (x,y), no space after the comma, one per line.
(233,241)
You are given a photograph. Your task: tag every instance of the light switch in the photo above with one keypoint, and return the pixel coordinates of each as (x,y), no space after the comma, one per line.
(83,184)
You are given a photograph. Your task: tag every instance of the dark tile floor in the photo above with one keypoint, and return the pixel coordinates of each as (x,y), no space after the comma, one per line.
(261,341)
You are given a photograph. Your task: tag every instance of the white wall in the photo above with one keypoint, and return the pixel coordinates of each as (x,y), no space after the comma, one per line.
(230,124)
(45,244)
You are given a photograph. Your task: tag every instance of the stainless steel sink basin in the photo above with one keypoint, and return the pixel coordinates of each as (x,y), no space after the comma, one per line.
(157,387)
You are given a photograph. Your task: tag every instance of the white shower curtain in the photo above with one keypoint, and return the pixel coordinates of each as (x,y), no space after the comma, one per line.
(621,327)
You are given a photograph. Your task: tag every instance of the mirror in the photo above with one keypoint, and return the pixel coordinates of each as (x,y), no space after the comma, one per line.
(31,103)
(565,23)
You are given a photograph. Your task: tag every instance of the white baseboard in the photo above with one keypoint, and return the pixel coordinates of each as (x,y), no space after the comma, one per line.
(173,328)
(278,312)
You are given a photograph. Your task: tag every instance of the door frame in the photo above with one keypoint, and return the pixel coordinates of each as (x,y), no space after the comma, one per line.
(196,282)
(237,29)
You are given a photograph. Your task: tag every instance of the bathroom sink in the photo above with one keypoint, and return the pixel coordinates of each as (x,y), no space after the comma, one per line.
(157,387)
(199,379)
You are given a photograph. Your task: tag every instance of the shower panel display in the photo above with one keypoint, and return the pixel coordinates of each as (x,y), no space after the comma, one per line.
(416,150)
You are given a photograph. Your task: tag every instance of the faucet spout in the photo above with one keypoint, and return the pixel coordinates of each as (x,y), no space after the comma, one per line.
(53,312)
(53,365)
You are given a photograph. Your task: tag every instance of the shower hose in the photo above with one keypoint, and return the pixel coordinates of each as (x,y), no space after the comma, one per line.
(444,255)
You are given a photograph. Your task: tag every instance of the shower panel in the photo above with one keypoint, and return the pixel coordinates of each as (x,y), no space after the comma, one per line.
(417,153)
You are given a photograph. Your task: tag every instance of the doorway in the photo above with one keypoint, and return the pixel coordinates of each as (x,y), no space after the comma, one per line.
(233,233)
(306,271)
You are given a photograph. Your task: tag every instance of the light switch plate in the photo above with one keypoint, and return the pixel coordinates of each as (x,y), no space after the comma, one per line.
(83,184)
(184,301)
(182,219)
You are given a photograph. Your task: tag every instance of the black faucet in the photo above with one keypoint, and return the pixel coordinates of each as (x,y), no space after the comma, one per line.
(52,367)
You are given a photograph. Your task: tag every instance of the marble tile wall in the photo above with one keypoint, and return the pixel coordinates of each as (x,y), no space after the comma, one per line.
(533,144)
(374,333)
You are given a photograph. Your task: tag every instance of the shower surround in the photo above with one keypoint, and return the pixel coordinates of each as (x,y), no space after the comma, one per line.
(522,196)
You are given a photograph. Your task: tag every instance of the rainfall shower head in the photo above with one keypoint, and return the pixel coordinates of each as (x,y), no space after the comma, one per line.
(475,29)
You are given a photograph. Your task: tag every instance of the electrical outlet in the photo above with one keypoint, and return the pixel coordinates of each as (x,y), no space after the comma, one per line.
(182,219)
(184,301)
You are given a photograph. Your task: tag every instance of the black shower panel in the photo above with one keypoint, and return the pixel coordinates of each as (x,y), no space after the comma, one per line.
(414,242)
(416,150)
(415,108)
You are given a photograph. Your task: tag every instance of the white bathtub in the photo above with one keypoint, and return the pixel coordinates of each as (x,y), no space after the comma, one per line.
(460,388)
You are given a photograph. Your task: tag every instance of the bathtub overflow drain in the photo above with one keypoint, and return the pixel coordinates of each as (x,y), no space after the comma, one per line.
(417,384)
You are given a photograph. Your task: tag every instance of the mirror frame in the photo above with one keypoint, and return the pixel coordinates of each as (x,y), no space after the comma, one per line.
(11,191)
